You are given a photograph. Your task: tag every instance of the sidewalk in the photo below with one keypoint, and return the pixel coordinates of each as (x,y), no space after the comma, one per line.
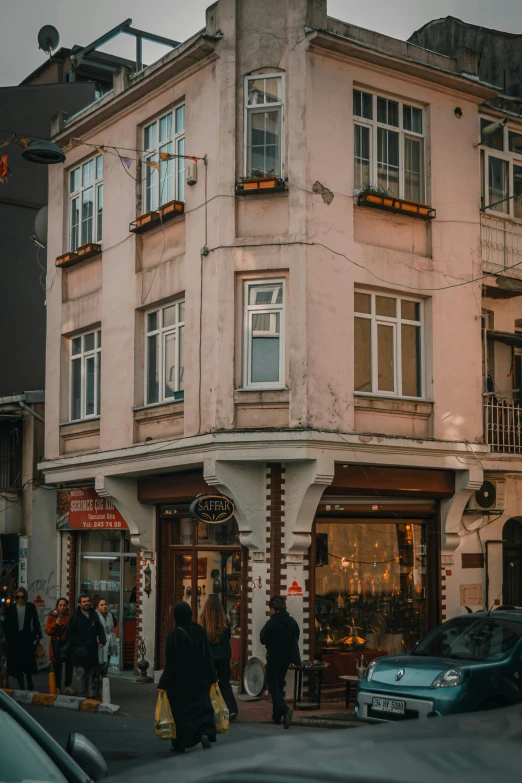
(138,701)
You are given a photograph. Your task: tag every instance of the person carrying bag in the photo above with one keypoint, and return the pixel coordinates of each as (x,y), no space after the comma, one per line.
(59,648)
(163,720)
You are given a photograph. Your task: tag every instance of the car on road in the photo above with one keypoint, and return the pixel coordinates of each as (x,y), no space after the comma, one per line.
(472,662)
(29,753)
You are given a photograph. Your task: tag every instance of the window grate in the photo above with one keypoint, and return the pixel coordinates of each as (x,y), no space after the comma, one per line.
(10,455)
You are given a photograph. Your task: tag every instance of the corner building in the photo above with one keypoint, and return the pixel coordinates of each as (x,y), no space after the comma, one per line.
(272,321)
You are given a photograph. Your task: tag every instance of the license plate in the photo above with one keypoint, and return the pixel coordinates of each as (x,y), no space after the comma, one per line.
(388,705)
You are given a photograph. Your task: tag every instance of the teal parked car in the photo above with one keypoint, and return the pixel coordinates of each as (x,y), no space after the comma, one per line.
(472,662)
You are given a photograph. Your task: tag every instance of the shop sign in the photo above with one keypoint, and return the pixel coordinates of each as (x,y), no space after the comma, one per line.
(23,546)
(212,508)
(84,509)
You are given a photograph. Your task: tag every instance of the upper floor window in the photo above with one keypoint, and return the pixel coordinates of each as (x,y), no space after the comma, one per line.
(164,366)
(86,203)
(85,375)
(388,146)
(501,169)
(388,345)
(165,136)
(264,116)
(264,360)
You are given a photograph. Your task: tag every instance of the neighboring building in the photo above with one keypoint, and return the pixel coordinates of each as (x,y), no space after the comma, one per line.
(305,338)
(27,510)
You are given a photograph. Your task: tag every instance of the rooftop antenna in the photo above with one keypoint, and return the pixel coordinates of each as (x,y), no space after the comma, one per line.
(48,39)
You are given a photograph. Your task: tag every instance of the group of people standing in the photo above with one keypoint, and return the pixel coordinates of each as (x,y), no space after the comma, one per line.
(198,656)
(80,642)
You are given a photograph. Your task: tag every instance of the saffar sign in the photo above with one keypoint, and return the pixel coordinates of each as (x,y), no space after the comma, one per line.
(214,509)
(84,509)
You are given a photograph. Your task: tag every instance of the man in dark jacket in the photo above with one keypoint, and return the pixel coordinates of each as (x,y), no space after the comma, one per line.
(280,636)
(85,635)
(22,632)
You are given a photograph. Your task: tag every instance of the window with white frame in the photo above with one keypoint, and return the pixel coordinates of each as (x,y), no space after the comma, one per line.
(264,117)
(388,146)
(502,170)
(86,203)
(164,366)
(163,137)
(388,345)
(264,355)
(85,375)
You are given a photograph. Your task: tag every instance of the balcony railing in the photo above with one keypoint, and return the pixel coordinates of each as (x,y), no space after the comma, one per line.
(503,424)
(501,242)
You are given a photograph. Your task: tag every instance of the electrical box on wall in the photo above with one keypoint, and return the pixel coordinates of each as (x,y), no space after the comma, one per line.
(191,171)
(491,497)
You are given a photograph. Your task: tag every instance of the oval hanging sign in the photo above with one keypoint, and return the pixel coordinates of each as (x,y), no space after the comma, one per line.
(212,508)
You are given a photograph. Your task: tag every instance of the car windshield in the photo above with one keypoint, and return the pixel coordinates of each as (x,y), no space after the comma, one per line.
(26,760)
(471,639)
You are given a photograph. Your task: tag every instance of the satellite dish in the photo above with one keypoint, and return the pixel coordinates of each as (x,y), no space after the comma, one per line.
(48,39)
(40,226)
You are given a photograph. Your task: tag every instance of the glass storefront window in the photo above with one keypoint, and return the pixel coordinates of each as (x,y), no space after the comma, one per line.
(370,585)
(217,535)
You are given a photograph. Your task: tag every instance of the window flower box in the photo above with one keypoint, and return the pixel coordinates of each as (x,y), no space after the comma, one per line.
(157,217)
(377,200)
(249,185)
(67,259)
(88,250)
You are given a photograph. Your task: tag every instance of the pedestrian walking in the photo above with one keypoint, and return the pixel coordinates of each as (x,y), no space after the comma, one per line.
(219,631)
(86,636)
(280,635)
(188,674)
(109,624)
(23,633)
(59,648)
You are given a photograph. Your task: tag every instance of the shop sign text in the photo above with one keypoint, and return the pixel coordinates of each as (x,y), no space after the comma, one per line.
(212,508)
(84,509)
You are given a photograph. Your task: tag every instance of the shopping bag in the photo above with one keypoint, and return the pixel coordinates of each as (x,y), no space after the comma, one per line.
(221,712)
(163,720)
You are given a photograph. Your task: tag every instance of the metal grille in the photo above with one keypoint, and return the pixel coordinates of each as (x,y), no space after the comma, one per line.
(501,243)
(10,455)
(503,424)
(512,586)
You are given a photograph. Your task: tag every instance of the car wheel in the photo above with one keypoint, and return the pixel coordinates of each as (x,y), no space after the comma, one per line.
(493,703)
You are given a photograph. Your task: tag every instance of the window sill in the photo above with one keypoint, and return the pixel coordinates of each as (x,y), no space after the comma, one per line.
(277,395)
(89,250)
(157,217)
(393,405)
(159,410)
(396,205)
(80,427)
(153,405)
(252,185)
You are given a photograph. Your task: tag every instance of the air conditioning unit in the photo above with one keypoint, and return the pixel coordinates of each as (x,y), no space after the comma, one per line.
(491,497)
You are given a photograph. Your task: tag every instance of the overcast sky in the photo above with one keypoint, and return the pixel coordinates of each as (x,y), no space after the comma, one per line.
(82,21)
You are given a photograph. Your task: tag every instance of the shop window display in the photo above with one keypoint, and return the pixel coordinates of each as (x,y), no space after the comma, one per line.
(370,586)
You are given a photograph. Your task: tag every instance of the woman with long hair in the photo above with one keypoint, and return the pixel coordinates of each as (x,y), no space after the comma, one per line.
(110,647)
(214,621)
(56,628)
(22,631)
(187,677)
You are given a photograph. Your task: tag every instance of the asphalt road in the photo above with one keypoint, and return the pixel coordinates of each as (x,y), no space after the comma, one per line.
(132,750)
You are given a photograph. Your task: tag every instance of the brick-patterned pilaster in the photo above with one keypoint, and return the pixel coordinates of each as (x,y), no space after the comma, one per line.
(275,505)
(70,574)
(307,627)
(443,603)
(139,608)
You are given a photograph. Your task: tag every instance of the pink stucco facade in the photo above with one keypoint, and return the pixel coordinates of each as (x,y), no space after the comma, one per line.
(322,248)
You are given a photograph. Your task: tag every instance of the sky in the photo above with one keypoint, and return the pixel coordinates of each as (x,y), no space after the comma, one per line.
(82,21)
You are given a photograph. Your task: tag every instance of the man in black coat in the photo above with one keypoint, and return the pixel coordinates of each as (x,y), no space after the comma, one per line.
(22,633)
(85,635)
(280,636)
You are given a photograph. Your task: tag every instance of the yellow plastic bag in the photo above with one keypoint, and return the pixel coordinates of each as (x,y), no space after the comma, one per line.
(163,720)
(221,712)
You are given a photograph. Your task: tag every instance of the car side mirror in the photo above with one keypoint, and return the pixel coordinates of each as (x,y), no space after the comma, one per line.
(87,756)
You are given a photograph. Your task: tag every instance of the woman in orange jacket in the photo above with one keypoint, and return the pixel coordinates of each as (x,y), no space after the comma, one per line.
(56,628)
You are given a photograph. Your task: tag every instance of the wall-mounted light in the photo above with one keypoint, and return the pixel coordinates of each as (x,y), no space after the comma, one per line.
(147,587)
(259,583)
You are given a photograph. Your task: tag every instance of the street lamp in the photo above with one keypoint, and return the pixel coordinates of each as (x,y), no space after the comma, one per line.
(41,151)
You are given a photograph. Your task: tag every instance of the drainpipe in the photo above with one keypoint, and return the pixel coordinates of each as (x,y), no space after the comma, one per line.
(30,410)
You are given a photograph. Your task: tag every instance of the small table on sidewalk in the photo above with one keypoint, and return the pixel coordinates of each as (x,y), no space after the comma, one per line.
(317,671)
(350,680)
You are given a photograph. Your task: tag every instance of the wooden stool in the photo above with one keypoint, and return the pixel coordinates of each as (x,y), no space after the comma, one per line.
(350,679)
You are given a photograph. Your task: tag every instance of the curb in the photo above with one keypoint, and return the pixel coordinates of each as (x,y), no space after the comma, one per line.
(66,702)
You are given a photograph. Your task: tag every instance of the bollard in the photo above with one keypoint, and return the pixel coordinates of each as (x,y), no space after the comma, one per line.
(52,683)
(106,691)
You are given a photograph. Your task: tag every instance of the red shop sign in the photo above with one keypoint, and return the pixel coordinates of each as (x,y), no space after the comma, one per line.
(84,509)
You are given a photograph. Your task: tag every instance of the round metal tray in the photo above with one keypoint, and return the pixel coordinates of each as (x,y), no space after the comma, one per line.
(254,677)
